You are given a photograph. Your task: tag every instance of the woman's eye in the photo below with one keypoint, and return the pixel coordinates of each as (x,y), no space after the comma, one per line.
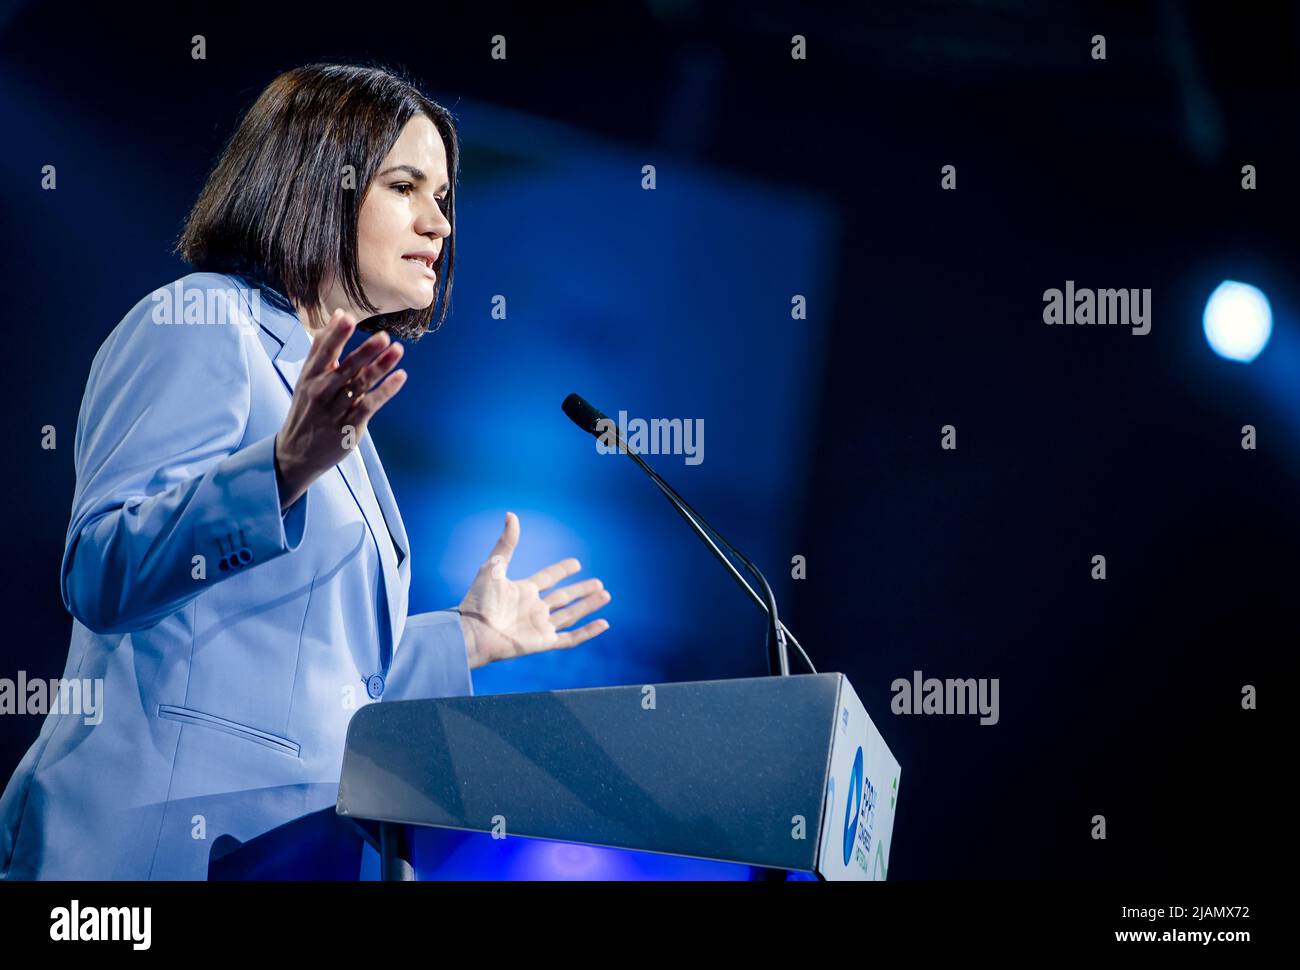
(405,188)
(442,203)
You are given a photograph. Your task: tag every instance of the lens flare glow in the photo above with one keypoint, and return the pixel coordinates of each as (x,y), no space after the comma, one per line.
(1238,321)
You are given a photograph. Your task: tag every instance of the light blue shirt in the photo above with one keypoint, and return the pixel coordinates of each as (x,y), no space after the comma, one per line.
(233,643)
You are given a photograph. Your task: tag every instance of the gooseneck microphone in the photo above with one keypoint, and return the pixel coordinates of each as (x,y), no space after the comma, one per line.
(592,421)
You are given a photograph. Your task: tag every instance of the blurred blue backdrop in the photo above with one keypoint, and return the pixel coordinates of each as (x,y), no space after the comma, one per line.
(594,279)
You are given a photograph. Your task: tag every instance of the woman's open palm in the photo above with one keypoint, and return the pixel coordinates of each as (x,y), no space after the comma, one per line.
(511,618)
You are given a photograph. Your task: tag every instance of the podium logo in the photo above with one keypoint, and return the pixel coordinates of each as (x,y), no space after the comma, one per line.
(852,806)
(859,815)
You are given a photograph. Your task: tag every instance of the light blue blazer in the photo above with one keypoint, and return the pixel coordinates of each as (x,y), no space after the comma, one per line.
(233,642)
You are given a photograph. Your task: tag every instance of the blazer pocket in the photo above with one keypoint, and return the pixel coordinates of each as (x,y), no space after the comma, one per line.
(188,715)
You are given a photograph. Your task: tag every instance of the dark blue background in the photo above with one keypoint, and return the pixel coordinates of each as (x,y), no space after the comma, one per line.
(778,177)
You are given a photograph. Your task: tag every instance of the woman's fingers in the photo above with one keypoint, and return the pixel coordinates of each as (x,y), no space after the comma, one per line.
(354,365)
(326,348)
(584,606)
(505,544)
(359,381)
(552,574)
(309,442)
(365,406)
(567,594)
(574,637)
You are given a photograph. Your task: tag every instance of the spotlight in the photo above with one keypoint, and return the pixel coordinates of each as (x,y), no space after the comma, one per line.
(1238,321)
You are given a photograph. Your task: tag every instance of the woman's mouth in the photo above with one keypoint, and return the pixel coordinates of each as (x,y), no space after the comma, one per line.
(423,264)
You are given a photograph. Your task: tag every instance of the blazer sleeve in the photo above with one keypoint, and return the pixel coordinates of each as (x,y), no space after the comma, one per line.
(430,660)
(165,473)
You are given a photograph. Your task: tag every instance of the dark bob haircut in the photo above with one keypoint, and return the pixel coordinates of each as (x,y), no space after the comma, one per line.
(277,206)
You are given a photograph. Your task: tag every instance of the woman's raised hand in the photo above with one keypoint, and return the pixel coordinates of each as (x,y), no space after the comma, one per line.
(332,404)
(504,618)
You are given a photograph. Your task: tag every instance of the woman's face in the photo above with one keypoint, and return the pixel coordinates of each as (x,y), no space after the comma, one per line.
(401,220)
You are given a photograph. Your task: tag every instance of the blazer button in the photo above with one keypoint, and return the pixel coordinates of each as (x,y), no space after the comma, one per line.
(245,555)
(375,686)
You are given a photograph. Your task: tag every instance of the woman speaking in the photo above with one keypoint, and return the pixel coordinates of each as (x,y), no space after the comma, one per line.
(235,565)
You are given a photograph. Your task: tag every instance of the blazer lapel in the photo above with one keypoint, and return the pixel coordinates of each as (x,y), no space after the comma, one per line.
(387,502)
(394,588)
(389,518)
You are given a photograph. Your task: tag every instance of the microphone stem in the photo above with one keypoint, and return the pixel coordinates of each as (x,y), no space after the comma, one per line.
(778,656)
(589,419)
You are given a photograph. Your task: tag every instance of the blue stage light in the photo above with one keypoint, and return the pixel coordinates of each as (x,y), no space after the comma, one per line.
(1238,321)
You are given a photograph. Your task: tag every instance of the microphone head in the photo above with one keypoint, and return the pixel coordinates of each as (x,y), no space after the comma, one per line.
(582,414)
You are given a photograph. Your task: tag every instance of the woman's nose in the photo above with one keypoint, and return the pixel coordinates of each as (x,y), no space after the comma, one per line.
(433,220)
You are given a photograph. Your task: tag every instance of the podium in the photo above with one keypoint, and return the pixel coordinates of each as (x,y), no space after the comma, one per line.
(781,772)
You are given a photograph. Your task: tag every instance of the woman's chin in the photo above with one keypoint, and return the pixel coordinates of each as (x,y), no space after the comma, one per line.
(420,299)
(407,300)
